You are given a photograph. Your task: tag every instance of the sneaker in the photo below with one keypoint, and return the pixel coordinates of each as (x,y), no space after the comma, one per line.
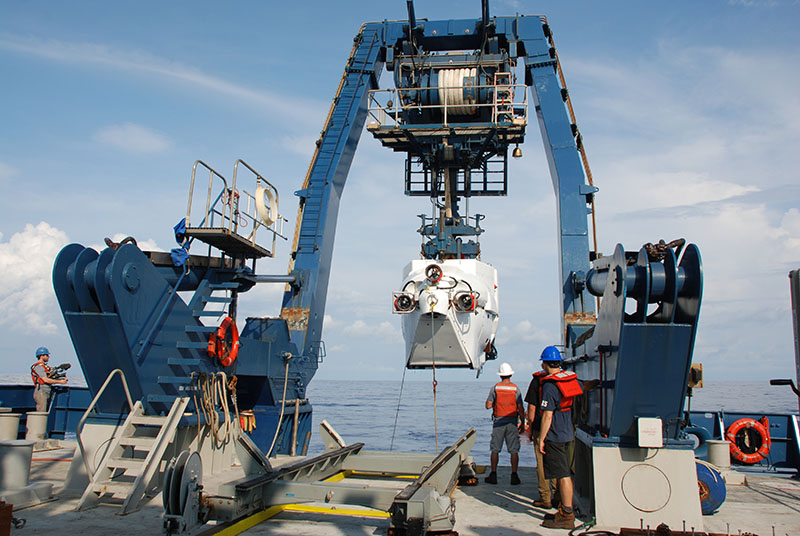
(561,520)
(515,479)
(542,504)
(492,478)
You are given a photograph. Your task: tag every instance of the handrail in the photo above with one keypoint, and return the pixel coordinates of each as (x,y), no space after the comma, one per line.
(384,114)
(209,207)
(79,428)
(276,232)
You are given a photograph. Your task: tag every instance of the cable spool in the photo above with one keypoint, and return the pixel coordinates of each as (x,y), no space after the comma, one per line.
(454,91)
(266,205)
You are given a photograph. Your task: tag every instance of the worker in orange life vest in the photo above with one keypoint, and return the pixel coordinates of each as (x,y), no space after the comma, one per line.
(556,433)
(40,373)
(508,414)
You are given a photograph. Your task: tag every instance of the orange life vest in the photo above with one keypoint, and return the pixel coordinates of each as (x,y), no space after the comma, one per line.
(568,385)
(37,380)
(505,404)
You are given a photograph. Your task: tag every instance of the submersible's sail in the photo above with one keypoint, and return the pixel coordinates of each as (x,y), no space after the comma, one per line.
(450,313)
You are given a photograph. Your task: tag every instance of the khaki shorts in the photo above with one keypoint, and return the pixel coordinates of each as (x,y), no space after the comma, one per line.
(508,433)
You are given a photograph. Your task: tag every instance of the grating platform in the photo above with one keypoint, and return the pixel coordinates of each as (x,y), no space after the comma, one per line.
(227,241)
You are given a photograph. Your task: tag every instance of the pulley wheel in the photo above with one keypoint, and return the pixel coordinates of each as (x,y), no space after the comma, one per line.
(175,483)
(166,486)
(192,473)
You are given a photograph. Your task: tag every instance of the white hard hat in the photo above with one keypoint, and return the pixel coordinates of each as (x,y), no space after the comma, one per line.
(505,370)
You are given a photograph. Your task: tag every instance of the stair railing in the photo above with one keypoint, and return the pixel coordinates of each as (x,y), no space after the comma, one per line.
(79,428)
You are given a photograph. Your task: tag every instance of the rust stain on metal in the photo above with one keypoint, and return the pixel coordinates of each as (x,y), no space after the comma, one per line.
(580,318)
(296,318)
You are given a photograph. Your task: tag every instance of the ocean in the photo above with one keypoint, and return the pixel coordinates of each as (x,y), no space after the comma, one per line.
(364,411)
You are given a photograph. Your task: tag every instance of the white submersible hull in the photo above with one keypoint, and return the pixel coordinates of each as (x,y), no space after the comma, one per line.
(450,313)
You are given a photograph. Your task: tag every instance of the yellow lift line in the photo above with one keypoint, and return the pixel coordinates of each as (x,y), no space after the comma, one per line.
(264,515)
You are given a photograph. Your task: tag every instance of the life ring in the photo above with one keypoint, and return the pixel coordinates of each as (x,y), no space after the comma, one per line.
(742,439)
(218,345)
(266,205)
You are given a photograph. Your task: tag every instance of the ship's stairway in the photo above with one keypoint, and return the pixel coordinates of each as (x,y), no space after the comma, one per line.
(133,459)
(209,305)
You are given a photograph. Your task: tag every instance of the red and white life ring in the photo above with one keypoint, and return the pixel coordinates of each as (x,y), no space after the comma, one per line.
(218,345)
(739,432)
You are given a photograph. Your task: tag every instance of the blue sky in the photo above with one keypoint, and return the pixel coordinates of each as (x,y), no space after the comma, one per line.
(689,111)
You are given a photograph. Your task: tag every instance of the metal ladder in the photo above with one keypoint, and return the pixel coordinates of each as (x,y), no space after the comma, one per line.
(133,458)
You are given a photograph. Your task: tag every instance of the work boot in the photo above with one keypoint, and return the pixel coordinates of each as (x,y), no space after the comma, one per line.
(515,479)
(562,520)
(542,504)
(492,478)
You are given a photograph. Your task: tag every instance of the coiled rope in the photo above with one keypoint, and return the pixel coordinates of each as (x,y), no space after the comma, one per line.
(213,394)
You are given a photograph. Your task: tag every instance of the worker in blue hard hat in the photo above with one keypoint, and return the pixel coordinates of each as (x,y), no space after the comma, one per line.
(40,373)
(508,415)
(556,433)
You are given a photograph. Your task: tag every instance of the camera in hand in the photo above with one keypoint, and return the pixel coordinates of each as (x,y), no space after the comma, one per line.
(59,372)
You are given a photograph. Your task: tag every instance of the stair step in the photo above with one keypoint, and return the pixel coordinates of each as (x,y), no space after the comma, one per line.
(174,380)
(192,345)
(112,487)
(209,313)
(126,463)
(216,286)
(139,443)
(184,362)
(201,329)
(151,420)
(218,299)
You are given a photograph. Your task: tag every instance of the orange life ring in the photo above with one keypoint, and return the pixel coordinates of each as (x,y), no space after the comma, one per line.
(745,426)
(218,345)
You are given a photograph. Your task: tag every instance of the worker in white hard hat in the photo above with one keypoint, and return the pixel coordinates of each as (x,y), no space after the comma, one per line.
(508,415)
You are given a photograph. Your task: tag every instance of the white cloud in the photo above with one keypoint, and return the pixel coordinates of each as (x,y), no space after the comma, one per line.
(524,331)
(26,292)
(133,138)
(6,172)
(383,331)
(142,62)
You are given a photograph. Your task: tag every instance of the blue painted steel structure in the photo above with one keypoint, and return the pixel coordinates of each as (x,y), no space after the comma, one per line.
(122,309)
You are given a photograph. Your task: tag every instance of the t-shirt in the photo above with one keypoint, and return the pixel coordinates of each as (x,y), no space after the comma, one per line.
(39,369)
(561,430)
(500,421)
(532,398)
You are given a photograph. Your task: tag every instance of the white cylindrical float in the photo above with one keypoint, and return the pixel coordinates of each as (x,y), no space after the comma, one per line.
(36,425)
(15,463)
(719,453)
(9,426)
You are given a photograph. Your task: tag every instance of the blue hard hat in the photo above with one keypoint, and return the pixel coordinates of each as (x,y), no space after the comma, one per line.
(551,353)
(42,350)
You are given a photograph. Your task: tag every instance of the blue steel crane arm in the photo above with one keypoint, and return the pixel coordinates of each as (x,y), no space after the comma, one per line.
(303,305)
(573,194)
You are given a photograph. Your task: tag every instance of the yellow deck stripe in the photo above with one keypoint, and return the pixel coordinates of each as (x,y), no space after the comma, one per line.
(335,510)
(264,515)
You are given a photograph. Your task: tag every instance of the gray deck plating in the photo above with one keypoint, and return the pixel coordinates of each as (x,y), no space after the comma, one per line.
(483,510)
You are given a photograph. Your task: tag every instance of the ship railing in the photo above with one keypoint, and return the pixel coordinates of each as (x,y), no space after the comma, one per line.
(508,105)
(79,428)
(237,211)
